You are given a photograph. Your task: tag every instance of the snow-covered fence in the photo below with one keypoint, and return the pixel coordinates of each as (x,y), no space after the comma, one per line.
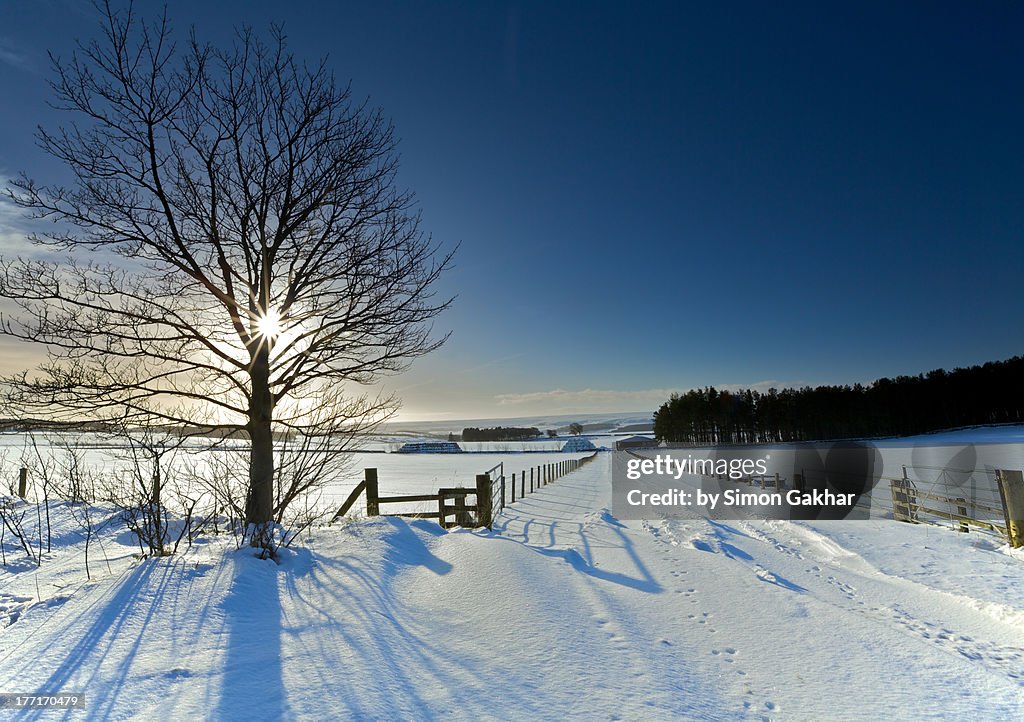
(468,515)
(913,505)
(489,495)
(980,508)
(1011,491)
(496,475)
(540,476)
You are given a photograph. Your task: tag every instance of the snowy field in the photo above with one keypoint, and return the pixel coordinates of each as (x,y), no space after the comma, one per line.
(561,611)
(397,473)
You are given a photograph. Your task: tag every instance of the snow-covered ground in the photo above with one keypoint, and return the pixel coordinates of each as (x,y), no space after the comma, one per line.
(561,611)
(397,473)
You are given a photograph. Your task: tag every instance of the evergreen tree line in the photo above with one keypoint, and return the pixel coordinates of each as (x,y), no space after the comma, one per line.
(499,433)
(989,394)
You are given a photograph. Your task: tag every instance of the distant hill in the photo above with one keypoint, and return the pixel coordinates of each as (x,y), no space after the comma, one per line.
(592,424)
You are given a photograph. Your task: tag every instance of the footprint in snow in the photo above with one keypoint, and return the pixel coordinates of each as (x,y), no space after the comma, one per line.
(766,576)
(701,545)
(606,517)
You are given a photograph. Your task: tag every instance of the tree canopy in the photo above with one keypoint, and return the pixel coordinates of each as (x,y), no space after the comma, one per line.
(987,394)
(240,255)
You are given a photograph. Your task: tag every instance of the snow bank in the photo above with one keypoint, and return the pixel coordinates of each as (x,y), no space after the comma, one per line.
(562,611)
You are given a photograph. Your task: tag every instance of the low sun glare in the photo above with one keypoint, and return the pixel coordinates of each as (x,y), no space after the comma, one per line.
(269,324)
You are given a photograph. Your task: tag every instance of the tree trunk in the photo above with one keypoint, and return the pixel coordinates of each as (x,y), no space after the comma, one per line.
(259,506)
(155,506)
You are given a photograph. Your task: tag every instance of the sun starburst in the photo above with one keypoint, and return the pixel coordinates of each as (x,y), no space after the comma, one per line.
(269,324)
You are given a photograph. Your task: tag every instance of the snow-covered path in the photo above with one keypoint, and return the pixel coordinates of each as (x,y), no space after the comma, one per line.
(561,611)
(782,621)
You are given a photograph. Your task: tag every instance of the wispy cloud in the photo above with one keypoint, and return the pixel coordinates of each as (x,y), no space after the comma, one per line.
(12,56)
(601,400)
(574,400)
(13,228)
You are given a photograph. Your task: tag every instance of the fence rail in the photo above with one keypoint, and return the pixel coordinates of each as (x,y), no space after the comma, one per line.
(1001,515)
(539,476)
(907,506)
(489,495)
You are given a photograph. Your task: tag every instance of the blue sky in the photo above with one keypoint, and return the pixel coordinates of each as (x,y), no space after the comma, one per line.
(658,196)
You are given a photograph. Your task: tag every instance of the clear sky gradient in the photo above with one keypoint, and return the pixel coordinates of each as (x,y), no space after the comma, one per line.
(657,196)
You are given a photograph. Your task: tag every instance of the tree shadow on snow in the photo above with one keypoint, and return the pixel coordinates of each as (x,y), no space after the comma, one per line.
(252,677)
(118,633)
(577,550)
(381,659)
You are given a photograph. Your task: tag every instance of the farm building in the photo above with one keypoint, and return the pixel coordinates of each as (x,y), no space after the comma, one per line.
(431,447)
(636,442)
(578,443)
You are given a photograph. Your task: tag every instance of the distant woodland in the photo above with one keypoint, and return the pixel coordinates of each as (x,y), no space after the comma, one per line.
(500,433)
(989,394)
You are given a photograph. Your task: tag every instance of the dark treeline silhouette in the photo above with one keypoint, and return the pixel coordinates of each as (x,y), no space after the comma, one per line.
(499,433)
(988,394)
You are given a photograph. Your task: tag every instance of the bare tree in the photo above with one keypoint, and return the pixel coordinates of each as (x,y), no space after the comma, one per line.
(253,261)
(139,486)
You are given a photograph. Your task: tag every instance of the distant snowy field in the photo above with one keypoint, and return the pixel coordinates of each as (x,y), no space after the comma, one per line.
(561,611)
(397,473)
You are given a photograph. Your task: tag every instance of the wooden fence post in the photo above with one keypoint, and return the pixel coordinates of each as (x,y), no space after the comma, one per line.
(522,484)
(483,500)
(350,500)
(372,493)
(503,492)
(23,482)
(908,487)
(904,499)
(461,515)
(531,479)
(513,488)
(1011,492)
(962,511)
